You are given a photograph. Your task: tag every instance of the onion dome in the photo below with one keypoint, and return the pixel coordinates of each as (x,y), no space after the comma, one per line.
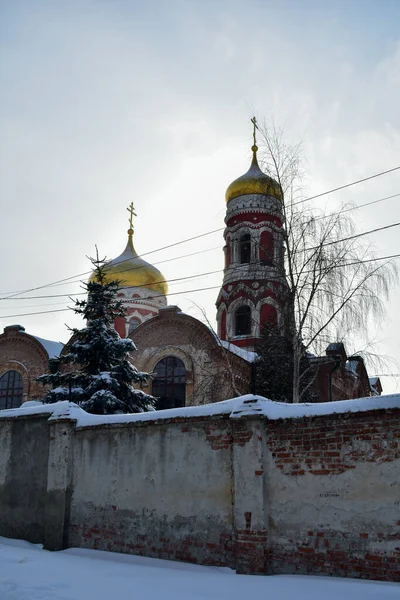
(254,182)
(132,271)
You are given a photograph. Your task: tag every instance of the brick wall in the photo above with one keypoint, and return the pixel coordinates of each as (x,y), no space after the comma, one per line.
(23,353)
(335,494)
(310,495)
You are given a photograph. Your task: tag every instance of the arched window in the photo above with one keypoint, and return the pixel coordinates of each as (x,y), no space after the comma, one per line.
(169,383)
(11,388)
(243,320)
(245,249)
(133,323)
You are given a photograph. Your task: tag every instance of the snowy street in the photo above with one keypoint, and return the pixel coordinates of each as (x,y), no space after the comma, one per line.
(29,573)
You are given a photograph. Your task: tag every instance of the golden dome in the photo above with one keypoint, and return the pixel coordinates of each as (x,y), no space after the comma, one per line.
(254,182)
(133,271)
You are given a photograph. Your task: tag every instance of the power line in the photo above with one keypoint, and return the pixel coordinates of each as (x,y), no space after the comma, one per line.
(351,237)
(356,207)
(208,232)
(393,256)
(347,185)
(43,312)
(68,279)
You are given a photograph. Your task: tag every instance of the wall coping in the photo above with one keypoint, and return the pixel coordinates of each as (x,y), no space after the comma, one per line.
(247,406)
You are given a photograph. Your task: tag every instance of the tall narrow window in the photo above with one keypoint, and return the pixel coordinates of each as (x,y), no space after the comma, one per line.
(243,321)
(228,253)
(245,249)
(11,388)
(133,324)
(169,384)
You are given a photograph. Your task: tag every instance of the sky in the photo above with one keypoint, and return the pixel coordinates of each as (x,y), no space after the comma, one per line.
(107,102)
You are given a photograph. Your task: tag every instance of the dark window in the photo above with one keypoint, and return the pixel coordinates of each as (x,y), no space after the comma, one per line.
(169,383)
(133,323)
(243,321)
(245,249)
(11,387)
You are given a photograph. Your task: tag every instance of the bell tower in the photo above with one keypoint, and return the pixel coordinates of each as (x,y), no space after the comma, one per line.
(254,288)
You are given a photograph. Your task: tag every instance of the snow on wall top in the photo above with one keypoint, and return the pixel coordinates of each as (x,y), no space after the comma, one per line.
(242,406)
(53,349)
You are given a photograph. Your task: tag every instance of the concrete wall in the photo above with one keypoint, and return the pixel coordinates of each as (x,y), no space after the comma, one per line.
(24,454)
(317,494)
(157,489)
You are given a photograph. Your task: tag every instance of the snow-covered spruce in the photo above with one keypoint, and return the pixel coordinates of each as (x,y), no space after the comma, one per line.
(96,373)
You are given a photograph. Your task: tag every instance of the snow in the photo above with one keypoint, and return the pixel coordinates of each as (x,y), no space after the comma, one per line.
(248,355)
(245,354)
(28,572)
(351,366)
(236,407)
(53,349)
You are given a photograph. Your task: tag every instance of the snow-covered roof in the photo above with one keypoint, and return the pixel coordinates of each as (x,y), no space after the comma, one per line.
(242,406)
(351,365)
(53,349)
(242,352)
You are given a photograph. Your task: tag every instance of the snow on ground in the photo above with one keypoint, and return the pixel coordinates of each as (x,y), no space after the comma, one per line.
(29,573)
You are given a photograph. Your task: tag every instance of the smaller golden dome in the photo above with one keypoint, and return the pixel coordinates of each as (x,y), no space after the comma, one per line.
(133,271)
(254,182)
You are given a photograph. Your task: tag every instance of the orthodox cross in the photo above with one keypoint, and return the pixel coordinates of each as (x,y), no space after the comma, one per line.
(131,211)
(255,126)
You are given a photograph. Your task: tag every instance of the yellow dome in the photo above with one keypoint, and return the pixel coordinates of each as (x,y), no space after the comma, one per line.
(133,271)
(254,182)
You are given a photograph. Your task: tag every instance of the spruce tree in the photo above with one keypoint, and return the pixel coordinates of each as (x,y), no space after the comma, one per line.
(96,372)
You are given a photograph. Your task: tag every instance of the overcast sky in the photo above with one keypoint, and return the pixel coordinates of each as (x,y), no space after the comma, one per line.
(106,102)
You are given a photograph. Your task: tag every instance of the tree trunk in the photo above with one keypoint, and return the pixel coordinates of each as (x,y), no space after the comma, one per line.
(296,369)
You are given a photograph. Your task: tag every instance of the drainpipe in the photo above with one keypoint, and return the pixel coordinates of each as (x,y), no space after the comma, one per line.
(335,368)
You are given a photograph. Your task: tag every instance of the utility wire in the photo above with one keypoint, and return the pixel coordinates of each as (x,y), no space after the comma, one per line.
(210,232)
(351,237)
(347,185)
(190,291)
(198,275)
(339,212)
(213,272)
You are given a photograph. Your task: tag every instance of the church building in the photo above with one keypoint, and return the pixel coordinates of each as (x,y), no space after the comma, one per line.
(190,363)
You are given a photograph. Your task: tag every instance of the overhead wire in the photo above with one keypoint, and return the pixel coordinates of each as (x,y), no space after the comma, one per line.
(385,227)
(183,292)
(347,185)
(10,295)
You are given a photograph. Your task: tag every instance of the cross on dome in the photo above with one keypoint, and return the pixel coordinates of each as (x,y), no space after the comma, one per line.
(255,126)
(131,211)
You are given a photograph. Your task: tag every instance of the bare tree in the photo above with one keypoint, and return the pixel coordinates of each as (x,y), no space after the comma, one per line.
(336,287)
